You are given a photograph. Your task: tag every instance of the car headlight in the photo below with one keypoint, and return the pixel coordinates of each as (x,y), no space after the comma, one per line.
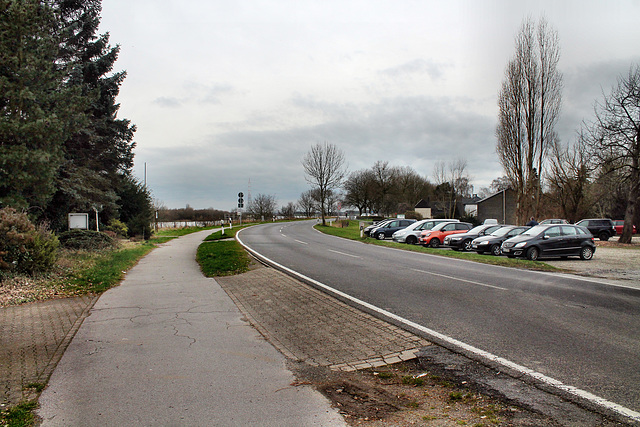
(426,235)
(520,245)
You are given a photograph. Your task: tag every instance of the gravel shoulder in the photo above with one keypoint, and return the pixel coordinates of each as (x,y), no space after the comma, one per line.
(612,261)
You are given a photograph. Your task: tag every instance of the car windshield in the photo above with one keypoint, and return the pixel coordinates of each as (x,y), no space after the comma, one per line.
(501,231)
(476,230)
(440,226)
(534,231)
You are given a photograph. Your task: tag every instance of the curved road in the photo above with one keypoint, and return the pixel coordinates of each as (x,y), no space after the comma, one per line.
(580,332)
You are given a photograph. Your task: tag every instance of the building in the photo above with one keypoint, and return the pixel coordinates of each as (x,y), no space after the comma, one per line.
(500,206)
(423,208)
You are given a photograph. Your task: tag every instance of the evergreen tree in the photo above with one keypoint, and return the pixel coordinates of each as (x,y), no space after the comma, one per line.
(96,156)
(37,109)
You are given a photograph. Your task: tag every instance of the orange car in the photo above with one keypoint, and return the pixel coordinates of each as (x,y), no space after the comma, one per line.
(436,235)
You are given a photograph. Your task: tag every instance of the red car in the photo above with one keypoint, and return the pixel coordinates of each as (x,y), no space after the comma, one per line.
(619,224)
(436,235)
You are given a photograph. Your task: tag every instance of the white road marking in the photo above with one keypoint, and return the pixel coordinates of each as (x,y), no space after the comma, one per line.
(300,241)
(343,253)
(615,407)
(460,280)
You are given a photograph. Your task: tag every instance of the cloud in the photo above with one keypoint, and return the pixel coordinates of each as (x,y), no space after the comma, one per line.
(418,66)
(167,102)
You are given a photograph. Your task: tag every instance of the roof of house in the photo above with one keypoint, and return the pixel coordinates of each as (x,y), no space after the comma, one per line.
(422,204)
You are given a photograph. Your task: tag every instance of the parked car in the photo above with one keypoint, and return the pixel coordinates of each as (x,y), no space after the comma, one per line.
(367,230)
(619,225)
(492,242)
(437,234)
(554,221)
(551,240)
(411,233)
(388,228)
(602,228)
(462,242)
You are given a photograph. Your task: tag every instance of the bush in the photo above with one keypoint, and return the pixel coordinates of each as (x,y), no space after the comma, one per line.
(23,247)
(118,227)
(413,215)
(87,240)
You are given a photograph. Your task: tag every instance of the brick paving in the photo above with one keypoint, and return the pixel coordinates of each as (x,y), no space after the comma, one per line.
(300,321)
(33,338)
(308,325)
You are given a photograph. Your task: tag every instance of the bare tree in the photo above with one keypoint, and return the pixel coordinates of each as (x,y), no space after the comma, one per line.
(359,188)
(614,139)
(568,180)
(384,178)
(529,106)
(453,178)
(308,203)
(289,210)
(324,169)
(262,206)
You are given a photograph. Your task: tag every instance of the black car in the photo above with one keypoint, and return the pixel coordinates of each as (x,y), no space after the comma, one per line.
(602,228)
(551,241)
(388,228)
(492,242)
(367,230)
(462,242)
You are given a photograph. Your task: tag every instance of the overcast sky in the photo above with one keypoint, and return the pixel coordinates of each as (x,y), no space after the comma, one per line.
(230,92)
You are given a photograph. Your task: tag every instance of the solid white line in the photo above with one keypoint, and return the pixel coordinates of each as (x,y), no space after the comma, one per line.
(460,280)
(629,413)
(300,241)
(343,253)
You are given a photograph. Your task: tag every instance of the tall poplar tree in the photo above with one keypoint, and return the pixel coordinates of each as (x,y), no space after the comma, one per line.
(529,106)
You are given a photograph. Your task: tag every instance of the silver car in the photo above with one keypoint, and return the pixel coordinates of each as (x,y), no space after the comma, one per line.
(411,233)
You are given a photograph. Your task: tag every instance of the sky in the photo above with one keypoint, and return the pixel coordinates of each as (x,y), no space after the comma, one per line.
(229,96)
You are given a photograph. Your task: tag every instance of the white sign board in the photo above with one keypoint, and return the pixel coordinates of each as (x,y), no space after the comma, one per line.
(79,221)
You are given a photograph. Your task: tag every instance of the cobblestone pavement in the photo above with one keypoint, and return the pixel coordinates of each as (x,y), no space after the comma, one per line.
(33,338)
(308,325)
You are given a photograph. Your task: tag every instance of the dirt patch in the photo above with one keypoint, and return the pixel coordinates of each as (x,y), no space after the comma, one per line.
(406,394)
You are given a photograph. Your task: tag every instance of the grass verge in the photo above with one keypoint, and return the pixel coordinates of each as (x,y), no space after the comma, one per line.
(222,258)
(353,232)
(21,415)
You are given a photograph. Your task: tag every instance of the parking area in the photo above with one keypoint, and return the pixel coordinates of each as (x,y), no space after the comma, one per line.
(611,261)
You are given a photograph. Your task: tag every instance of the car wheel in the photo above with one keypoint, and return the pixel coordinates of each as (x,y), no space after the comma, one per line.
(604,236)
(533,254)
(495,250)
(434,243)
(411,240)
(586,253)
(380,236)
(466,245)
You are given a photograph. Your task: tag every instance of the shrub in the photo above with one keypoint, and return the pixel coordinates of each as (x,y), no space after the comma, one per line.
(86,239)
(118,227)
(23,247)
(413,215)
(43,252)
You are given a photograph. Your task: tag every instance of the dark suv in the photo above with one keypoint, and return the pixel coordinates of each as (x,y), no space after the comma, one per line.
(602,228)
(387,229)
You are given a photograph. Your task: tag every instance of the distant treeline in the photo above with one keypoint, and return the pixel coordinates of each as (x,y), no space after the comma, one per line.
(190,214)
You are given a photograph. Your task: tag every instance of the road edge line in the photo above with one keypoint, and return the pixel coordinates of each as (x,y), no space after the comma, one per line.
(459,346)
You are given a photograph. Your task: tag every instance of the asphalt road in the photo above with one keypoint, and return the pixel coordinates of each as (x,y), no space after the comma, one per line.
(580,332)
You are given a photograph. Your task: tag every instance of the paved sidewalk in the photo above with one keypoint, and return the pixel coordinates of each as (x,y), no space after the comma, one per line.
(33,338)
(301,322)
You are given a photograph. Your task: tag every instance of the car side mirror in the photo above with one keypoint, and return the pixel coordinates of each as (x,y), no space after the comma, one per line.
(546,237)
